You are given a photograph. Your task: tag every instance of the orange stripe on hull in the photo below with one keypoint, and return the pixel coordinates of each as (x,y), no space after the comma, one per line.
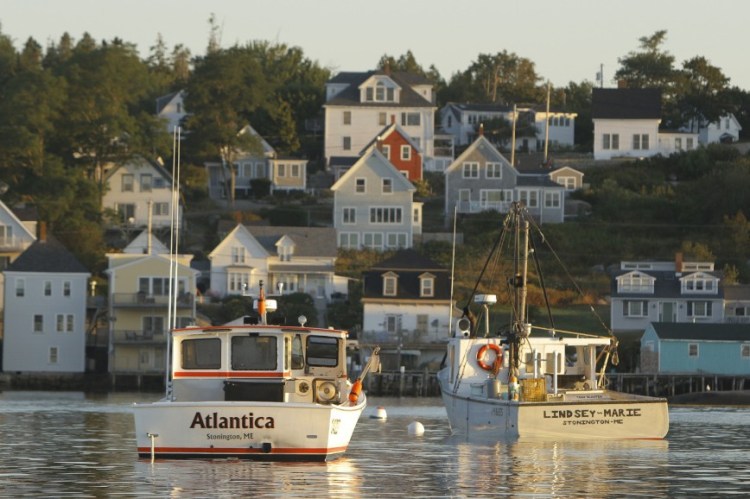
(226,374)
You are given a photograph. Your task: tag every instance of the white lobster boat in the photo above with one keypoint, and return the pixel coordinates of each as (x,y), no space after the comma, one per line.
(520,383)
(254,391)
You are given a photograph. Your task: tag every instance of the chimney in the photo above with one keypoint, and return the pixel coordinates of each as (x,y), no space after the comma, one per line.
(379,143)
(678,262)
(622,84)
(393,119)
(42,232)
(481,129)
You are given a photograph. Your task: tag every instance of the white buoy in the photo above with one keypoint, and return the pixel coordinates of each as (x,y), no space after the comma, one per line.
(416,428)
(380,413)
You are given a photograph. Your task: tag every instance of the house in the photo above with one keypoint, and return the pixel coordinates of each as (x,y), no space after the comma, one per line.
(399,149)
(139,192)
(286,259)
(462,121)
(45,287)
(139,302)
(737,304)
(726,129)
(282,173)
(626,125)
(482,179)
(673,348)
(568,177)
(171,109)
(374,207)
(358,105)
(407,306)
(16,235)
(658,291)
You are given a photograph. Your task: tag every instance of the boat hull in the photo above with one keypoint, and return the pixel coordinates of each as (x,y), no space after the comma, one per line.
(248,430)
(602,418)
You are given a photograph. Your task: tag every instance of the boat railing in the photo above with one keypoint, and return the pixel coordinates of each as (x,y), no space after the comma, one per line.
(404,336)
(138,336)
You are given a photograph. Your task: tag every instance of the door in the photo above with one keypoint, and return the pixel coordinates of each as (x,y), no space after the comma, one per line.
(667,311)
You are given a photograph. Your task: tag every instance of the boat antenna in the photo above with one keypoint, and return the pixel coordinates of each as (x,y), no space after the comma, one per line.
(174,223)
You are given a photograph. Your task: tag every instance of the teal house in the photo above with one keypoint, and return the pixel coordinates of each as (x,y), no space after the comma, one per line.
(680,348)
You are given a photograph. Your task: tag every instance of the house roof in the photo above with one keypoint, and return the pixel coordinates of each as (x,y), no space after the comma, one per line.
(737,292)
(409,266)
(484,145)
(363,161)
(350,95)
(139,160)
(626,103)
(48,255)
(706,332)
(385,132)
(161,102)
(308,241)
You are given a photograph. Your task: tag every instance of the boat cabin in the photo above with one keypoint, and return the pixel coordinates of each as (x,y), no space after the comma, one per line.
(259,363)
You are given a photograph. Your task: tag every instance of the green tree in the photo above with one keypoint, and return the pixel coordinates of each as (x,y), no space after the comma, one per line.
(500,78)
(701,92)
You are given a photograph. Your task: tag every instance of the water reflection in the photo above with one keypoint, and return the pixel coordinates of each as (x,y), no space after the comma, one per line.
(57,444)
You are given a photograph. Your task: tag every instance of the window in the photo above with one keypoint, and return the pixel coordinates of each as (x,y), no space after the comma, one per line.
(494,170)
(611,141)
(634,308)
(635,283)
(698,284)
(126,211)
(405,153)
(6,235)
(254,353)
(359,186)
(410,119)
(65,323)
(678,144)
(396,240)
(160,209)
(568,182)
(38,323)
(53,352)
(347,143)
(20,287)
(127,182)
(689,143)
(201,353)
(390,284)
(644,142)
(238,282)
(347,117)
(385,215)
(349,240)
(427,286)
(415,216)
(699,308)
(322,351)
(285,252)
(295,169)
(491,198)
(640,141)
(692,349)
(745,351)
(153,324)
(529,198)
(146,182)
(369,91)
(47,288)
(281,170)
(471,170)
(387,185)
(372,240)
(238,254)
(382,119)
(551,199)
(349,216)
(386,150)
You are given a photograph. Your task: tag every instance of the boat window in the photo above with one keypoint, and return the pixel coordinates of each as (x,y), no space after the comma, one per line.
(254,353)
(322,351)
(298,359)
(202,353)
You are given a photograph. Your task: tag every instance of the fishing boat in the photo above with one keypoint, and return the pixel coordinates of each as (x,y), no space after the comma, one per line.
(254,390)
(527,381)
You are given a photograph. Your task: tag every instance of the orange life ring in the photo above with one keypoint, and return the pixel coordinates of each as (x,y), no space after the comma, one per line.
(495,367)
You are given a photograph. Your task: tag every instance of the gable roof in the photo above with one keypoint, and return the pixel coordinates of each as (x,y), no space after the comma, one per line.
(409,267)
(705,332)
(138,160)
(350,95)
(387,131)
(17,216)
(482,143)
(308,241)
(364,160)
(408,259)
(140,244)
(48,256)
(626,103)
(164,100)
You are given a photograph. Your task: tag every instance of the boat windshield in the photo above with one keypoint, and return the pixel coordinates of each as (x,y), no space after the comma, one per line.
(204,353)
(254,353)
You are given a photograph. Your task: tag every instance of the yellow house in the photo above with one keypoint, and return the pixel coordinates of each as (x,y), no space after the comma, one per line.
(139,298)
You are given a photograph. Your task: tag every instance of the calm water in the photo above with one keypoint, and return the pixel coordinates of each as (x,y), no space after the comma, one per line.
(71,444)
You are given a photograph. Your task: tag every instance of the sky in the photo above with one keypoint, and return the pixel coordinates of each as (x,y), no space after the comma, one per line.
(568,40)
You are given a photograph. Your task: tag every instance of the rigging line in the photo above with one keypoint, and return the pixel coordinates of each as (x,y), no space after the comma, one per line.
(541,283)
(569,276)
(492,253)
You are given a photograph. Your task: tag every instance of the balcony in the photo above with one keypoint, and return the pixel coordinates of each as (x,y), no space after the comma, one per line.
(135,300)
(131,337)
(13,243)
(478,206)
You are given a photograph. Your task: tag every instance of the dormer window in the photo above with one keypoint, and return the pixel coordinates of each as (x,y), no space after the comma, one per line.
(426,285)
(380,92)
(390,284)
(635,282)
(699,283)
(285,249)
